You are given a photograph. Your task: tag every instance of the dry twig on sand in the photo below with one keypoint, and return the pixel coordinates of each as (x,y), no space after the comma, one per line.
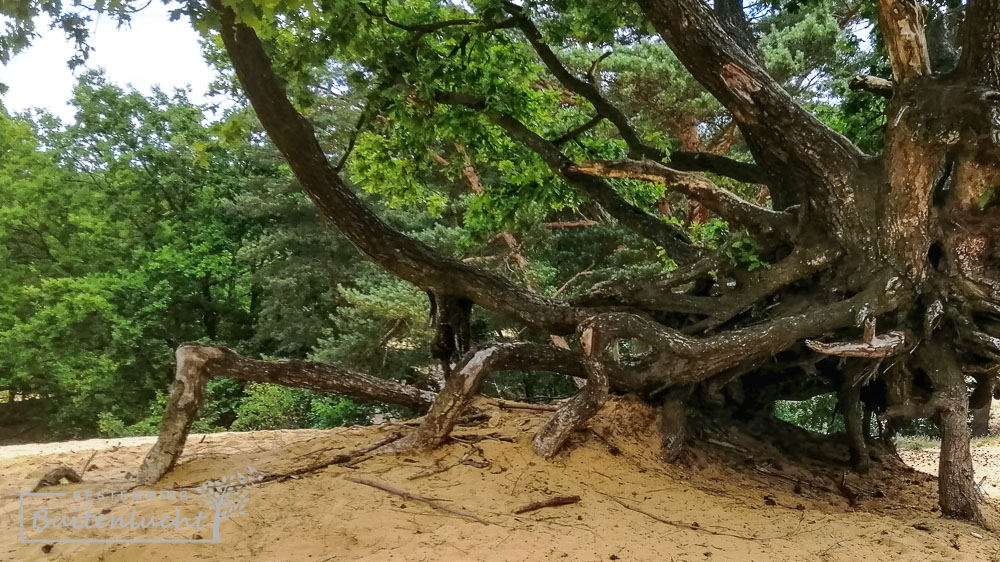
(551,502)
(407,495)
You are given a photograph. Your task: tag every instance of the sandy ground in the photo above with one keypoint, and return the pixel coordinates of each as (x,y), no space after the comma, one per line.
(632,506)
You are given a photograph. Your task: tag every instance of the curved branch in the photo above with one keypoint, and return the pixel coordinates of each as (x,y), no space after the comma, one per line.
(463,385)
(197,364)
(575,412)
(683,359)
(797,148)
(721,201)
(688,161)
(669,237)
(321,377)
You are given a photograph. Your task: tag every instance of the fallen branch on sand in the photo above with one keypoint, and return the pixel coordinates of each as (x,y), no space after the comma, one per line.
(341,459)
(53,477)
(407,495)
(551,502)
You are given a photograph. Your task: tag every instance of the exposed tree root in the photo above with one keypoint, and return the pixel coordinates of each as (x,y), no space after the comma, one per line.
(407,495)
(464,383)
(673,428)
(849,397)
(54,476)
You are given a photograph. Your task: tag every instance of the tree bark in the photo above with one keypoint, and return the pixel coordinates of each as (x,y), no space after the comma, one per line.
(957,491)
(186,394)
(197,364)
(981,421)
(849,398)
(575,412)
(673,425)
(464,383)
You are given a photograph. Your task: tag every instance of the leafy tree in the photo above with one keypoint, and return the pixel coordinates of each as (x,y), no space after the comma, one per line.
(859,254)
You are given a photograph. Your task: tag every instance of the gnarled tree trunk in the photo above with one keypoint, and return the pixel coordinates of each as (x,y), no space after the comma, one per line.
(907,238)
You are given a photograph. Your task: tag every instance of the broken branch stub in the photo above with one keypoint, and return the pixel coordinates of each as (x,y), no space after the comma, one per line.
(186,394)
(887,345)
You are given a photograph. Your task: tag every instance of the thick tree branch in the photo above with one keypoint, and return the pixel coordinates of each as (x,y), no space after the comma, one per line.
(320,377)
(405,257)
(723,202)
(873,84)
(197,364)
(902,26)
(799,151)
(681,359)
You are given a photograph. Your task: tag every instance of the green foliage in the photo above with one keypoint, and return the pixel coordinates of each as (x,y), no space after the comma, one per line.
(147,221)
(746,253)
(818,413)
(916,442)
(270,406)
